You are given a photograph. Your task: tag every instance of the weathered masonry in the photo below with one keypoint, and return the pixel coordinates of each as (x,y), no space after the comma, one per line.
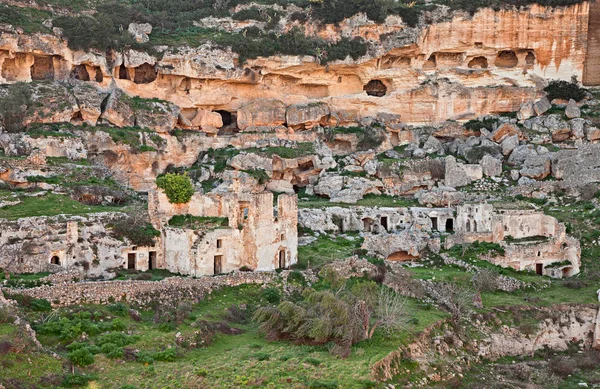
(531,240)
(257,235)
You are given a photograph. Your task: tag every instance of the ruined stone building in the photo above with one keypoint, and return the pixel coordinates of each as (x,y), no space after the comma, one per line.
(376,220)
(531,240)
(249,233)
(256,235)
(38,244)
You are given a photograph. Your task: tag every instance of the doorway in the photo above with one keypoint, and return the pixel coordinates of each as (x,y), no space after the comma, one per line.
(131,261)
(55,260)
(282,259)
(218,264)
(152,260)
(384,222)
(434,223)
(539,268)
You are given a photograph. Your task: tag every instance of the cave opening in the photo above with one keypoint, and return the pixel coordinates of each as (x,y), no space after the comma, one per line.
(478,63)
(80,72)
(375,88)
(226,117)
(42,68)
(401,256)
(506,59)
(10,70)
(530,58)
(144,74)
(123,73)
(431,63)
(99,77)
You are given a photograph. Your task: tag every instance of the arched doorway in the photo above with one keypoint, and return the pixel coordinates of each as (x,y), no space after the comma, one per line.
(55,260)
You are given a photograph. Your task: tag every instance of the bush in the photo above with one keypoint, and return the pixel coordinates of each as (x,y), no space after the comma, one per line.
(167,355)
(13,107)
(272,295)
(111,350)
(178,188)
(77,380)
(564,90)
(81,357)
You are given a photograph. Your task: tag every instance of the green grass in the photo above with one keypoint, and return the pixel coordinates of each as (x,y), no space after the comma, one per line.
(327,249)
(198,222)
(303,149)
(231,361)
(50,204)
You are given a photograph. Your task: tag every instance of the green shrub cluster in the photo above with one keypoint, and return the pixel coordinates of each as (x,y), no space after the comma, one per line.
(177,187)
(14,104)
(559,89)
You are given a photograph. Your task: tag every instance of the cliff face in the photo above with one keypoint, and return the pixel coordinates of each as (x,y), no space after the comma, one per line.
(591,74)
(460,68)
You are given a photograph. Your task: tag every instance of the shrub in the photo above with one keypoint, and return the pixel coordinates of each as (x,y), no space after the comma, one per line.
(272,295)
(136,229)
(13,107)
(81,357)
(559,89)
(111,350)
(178,188)
(77,380)
(562,367)
(167,355)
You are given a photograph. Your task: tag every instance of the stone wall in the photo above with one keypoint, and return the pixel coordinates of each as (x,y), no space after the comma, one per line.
(142,293)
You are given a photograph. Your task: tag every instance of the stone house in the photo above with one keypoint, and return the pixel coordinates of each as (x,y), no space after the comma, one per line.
(256,235)
(531,240)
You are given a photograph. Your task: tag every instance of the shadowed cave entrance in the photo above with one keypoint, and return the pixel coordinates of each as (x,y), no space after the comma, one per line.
(375,88)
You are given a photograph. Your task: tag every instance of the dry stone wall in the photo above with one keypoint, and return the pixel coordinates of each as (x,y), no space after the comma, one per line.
(142,293)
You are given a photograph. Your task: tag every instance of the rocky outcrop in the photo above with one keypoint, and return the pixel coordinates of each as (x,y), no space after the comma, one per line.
(401,246)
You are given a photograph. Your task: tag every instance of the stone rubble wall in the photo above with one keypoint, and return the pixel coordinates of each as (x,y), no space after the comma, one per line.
(142,293)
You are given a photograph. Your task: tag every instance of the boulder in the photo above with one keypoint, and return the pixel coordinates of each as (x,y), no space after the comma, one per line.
(460,174)
(433,146)
(577,127)
(251,161)
(520,154)
(207,118)
(592,134)
(491,166)
(355,188)
(140,31)
(542,106)
(329,184)
(118,110)
(307,115)
(51,103)
(536,167)
(572,111)
(526,111)
(405,245)
(503,131)
(509,144)
(261,112)
(159,116)
(89,99)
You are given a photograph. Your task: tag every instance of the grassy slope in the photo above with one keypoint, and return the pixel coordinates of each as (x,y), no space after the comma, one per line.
(50,205)
(232,361)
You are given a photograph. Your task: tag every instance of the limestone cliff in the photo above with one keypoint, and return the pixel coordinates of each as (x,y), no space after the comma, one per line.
(460,67)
